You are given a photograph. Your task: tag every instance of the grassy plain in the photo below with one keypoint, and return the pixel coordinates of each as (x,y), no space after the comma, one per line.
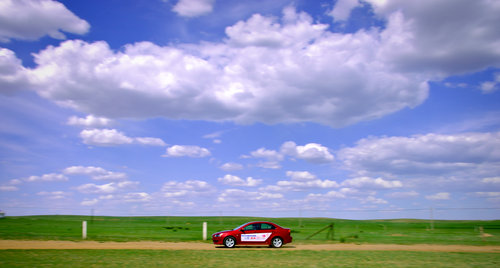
(242,258)
(175,229)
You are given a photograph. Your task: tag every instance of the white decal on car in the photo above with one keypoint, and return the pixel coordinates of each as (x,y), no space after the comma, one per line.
(259,237)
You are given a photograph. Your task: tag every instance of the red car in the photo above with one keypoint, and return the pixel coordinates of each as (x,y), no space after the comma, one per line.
(254,233)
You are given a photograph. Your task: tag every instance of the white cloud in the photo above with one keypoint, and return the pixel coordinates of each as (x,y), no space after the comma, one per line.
(488,194)
(187,151)
(270,155)
(97,173)
(104,137)
(176,189)
(32,19)
(13,76)
(438,196)
(399,195)
(302,185)
(109,188)
(112,137)
(54,194)
(150,141)
(367,182)
(8,188)
(419,38)
(343,8)
(89,202)
(89,121)
(237,196)
(311,152)
(491,86)
(137,197)
(374,200)
(231,166)
(301,175)
(298,68)
(193,8)
(273,71)
(492,180)
(47,177)
(237,181)
(15,182)
(300,181)
(425,157)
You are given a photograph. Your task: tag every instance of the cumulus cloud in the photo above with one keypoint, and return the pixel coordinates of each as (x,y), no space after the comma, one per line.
(193,8)
(13,76)
(400,195)
(109,188)
(237,181)
(438,196)
(311,152)
(113,137)
(491,180)
(237,195)
(301,175)
(429,156)
(187,151)
(8,188)
(419,38)
(47,177)
(367,182)
(343,8)
(89,202)
(137,197)
(300,181)
(186,188)
(32,19)
(89,121)
(491,86)
(231,166)
(276,70)
(104,137)
(96,173)
(54,194)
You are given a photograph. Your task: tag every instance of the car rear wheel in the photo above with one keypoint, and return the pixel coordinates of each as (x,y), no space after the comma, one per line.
(229,242)
(277,242)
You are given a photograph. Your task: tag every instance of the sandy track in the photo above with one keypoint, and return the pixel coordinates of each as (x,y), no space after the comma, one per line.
(23,244)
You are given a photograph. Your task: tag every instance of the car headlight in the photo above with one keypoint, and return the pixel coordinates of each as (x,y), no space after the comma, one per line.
(216,235)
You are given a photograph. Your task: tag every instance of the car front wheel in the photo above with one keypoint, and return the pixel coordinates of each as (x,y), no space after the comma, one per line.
(229,242)
(277,242)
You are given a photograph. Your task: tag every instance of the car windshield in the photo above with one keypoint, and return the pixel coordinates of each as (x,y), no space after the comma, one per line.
(240,226)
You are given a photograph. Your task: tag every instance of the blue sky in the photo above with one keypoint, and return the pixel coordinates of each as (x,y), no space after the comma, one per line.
(349,109)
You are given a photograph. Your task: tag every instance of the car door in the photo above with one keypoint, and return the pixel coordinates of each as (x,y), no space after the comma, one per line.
(255,234)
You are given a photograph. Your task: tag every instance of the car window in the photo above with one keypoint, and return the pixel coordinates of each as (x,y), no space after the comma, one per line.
(266,226)
(251,227)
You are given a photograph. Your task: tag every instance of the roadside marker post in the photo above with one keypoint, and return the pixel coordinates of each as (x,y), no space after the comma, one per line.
(84,230)
(204,230)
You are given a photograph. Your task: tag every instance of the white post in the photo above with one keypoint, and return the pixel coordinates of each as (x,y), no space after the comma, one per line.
(204,230)
(84,230)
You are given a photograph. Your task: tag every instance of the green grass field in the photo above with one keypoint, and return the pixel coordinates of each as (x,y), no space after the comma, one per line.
(241,258)
(190,229)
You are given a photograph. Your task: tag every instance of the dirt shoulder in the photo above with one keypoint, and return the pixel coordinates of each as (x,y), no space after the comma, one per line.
(23,244)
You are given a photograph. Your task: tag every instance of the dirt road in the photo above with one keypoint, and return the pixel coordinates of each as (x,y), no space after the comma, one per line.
(23,244)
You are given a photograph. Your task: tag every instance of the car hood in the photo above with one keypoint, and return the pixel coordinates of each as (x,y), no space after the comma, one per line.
(225,231)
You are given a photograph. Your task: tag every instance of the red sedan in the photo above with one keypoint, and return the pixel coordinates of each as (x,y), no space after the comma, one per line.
(254,233)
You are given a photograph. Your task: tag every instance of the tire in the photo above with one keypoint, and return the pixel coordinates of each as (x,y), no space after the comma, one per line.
(277,242)
(229,242)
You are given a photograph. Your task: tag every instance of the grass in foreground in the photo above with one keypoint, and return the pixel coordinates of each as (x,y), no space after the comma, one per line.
(176,229)
(242,258)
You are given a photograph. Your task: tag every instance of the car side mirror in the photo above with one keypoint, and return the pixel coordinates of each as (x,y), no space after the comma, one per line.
(242,230)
